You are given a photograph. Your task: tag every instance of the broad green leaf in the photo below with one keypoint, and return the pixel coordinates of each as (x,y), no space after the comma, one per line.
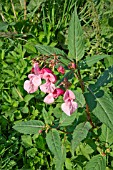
(46,116)
(104,79)
(29,127)
(97,162)
(26,141)
(75,38)
(60,162)
(101,105)
(28,97)
(3,26)
(31,152)
(79,97)
(33,4)
(50,51)
(67,120)
(94,59)
(106,135)
(54,143)
(80,134)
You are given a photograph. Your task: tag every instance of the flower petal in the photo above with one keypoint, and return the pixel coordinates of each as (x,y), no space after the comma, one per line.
(49,98)
(36,80)
(69,107)
(29,87)
(47,87)
(68,95)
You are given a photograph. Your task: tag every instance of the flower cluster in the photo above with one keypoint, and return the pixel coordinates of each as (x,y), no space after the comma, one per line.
(35,81)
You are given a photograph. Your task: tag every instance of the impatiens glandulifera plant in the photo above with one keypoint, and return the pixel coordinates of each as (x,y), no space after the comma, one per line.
(84,106)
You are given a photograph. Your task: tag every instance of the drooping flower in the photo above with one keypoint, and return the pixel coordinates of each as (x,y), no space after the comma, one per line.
(69,106)
(47,87)
(61,70)
(50,97)
(32,84)
(49,77)
(68,95)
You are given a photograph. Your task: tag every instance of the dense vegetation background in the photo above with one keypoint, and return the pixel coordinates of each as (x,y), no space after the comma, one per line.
(24,24)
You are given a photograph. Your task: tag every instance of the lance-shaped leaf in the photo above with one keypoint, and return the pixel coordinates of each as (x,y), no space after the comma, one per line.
(80,134)
(104,79)
(97,162)
(101,106)
(50,51)
(75,38)
(94,59)
(106,135)
(67,120)
(29,127)
(54,143)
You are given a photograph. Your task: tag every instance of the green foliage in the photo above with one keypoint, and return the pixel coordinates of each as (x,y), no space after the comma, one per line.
(65,32)
(75,38)
(79,134)
(97,162)
(29,127)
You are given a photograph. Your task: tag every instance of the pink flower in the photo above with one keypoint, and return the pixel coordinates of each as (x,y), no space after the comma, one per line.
(35,69)
(49,77)
(57,92)
(50,97)
(68,95)
(47,87)
(61,70)
(46,70)
(69,106)
(32,84)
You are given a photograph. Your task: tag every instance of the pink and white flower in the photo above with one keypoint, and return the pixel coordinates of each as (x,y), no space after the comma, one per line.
(50,97)
(32,84)
(47,87)
(69,106)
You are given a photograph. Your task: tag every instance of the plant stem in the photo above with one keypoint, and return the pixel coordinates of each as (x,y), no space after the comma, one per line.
(87,107)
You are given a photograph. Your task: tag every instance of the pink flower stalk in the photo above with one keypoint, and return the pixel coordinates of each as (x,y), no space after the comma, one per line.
(61,70)
(35,70)
(47,87)
(50,97)
(69,106)
(32,84)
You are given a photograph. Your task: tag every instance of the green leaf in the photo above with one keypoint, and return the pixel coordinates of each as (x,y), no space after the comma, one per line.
(26,141)
(79,97)
(94,59)
(28,97)
(31,152)
(46,116)
(75,38)
(50,51)
(29,127)
(54,143)
(3,26)
(101,106)
(34,3)
(98,162)
(80,134)
(106,135)
(104,79)
(67,120)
